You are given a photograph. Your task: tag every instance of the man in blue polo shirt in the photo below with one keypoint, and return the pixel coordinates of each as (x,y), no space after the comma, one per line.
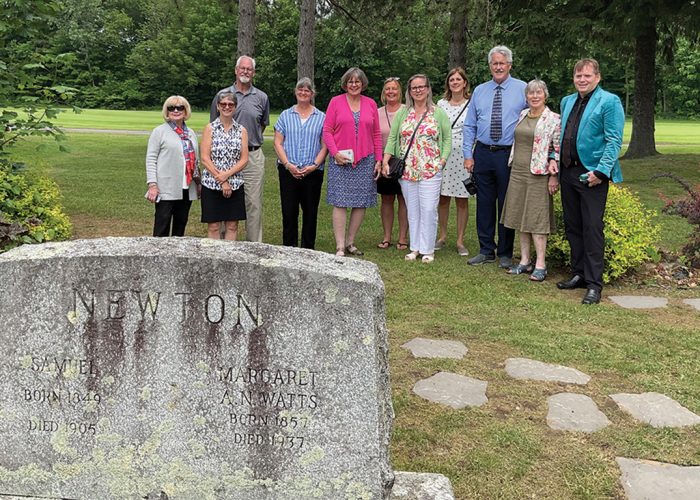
(488,136)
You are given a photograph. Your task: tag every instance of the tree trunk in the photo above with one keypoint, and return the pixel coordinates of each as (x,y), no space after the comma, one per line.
(642,143)
(246,28)
(305,40)
(458,33)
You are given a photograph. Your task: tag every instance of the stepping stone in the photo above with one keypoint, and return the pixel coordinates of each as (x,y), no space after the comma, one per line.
(693,303)
(428,348)
(648,480)
(421,486)
(455,391)
(574,412)
(657,410)
(639,301)
(530,369)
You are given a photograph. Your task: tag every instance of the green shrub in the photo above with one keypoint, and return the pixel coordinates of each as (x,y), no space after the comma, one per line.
(630,234)
(30,211)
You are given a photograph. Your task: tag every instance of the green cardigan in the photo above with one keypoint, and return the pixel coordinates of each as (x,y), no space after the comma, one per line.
(393,146)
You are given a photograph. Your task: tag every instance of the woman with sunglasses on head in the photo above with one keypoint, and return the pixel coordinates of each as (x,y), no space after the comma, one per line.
(454,102)
(390,189)
(353,138)
(224,155)
(172,170)
(421,133)
(301,155)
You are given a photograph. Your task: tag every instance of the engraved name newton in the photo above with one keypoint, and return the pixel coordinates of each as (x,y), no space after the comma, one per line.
(116,304)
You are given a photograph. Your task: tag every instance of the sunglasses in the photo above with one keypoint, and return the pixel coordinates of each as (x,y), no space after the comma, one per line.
(226,105)
(392,79)
(176,108)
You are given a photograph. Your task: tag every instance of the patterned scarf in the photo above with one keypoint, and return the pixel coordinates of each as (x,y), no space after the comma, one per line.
(188,150)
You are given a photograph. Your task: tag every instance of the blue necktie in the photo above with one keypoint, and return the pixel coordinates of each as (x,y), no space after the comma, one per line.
(496,116)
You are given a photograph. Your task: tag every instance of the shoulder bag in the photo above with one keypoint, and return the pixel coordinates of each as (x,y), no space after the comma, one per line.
(397,165)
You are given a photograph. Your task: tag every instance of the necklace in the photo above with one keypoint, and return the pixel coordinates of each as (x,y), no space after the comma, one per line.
(530,115)
(305,112)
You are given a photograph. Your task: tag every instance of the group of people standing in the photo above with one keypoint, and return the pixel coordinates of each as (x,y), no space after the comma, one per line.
(501,144)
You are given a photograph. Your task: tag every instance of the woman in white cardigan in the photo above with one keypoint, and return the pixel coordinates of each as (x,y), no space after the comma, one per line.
(172,169)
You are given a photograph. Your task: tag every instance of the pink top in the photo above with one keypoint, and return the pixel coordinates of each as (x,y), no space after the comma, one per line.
(339,128)
(384,124)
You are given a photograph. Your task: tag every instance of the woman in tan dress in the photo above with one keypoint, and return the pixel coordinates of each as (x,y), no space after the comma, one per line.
(528,206)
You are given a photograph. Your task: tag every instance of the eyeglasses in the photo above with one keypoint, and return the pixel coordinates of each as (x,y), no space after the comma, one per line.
(419,88)
(246,70)
(176,108)
(392,79)
(226,105)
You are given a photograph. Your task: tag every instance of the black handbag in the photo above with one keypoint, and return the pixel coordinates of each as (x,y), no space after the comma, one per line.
(397,165)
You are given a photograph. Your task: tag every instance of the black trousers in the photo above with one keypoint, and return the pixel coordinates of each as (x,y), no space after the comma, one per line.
(584,208)
(296,193)
(492,174)
(172,213)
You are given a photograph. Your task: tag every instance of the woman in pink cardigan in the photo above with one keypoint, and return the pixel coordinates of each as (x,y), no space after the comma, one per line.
(354,140)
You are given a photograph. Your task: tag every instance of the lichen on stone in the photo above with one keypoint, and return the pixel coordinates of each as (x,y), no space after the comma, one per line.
(312,456)
(145,393)
(59,442)
(330,294)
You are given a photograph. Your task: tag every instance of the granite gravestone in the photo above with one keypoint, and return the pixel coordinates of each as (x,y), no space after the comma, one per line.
(192,368)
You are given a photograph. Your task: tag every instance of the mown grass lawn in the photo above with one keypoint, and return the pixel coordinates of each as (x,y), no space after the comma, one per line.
(503,449)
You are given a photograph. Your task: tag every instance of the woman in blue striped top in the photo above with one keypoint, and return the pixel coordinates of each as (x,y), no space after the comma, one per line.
(301,155)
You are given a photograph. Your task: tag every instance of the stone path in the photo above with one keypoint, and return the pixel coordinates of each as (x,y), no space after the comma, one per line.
(648,302)
(656,409)
(649,480)
(568,411)
(575,412)
(639,301)
(693,303)
(522,368)
(421,486)
(455,391)
(427,348)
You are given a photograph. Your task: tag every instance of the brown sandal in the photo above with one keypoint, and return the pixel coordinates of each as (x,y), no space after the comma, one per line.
(384,244)
(402,246)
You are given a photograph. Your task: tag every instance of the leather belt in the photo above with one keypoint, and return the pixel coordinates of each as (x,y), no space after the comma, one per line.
(253,148)
(492,147)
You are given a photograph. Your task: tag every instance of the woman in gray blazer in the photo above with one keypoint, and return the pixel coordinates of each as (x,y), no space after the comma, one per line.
(172,170)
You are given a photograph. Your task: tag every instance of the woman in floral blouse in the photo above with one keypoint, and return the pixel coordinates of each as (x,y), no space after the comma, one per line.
(426,158)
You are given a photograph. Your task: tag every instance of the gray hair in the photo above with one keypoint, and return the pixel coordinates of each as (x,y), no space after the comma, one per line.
(537,84)
(504,51)
(226,93)
(240,59)
(357,73)
(428,92)
(305,83)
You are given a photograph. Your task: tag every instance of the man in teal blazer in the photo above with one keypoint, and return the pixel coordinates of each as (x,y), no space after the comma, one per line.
(591,139)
